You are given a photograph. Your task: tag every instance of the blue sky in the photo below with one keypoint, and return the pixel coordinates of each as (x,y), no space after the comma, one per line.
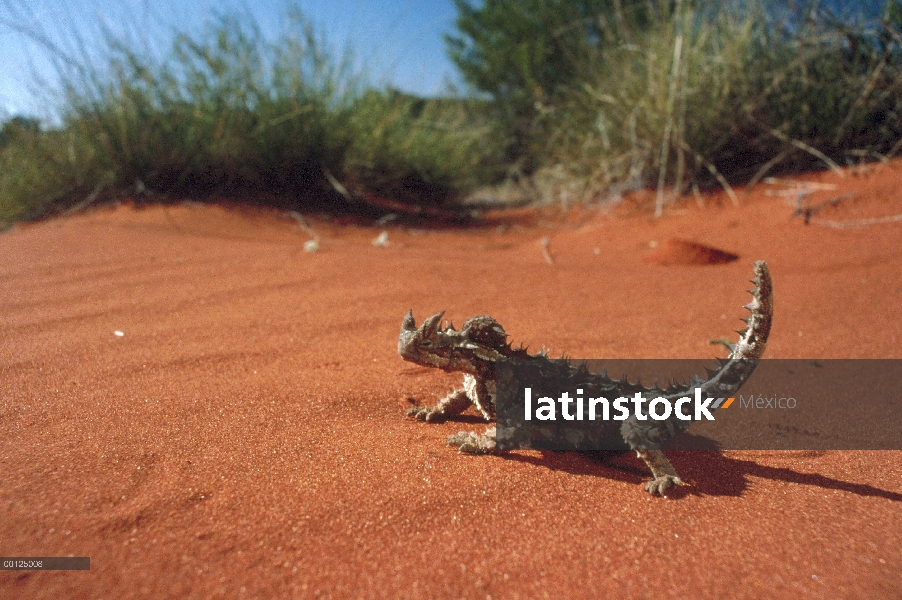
(400,41)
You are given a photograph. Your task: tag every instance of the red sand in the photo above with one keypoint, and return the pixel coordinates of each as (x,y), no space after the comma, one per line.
(245,437)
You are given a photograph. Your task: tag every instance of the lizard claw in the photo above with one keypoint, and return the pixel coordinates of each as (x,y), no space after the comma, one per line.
(424,413)
(661,484)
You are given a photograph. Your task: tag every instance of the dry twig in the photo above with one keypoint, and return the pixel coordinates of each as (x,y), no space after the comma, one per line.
(546,243)
(311,245)
(859,223)
(806,212)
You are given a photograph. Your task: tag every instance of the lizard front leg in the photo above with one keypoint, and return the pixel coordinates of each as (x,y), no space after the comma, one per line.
(663,473)
(453,404)
(470,441)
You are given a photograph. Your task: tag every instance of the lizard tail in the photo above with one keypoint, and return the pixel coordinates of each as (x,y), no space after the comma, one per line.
(744,355)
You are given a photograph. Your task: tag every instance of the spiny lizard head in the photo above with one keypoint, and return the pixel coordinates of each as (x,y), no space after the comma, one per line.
(473,349)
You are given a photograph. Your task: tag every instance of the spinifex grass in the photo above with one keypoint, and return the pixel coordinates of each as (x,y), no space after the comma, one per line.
(422,151)
(718,92)
(228,112)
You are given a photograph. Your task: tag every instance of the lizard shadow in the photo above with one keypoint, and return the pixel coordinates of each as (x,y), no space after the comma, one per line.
(708,472)
(469,419)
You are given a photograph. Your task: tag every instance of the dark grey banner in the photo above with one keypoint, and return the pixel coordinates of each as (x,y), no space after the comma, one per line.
(783,405)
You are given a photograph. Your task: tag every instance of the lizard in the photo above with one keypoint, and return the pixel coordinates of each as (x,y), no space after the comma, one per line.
(482,342)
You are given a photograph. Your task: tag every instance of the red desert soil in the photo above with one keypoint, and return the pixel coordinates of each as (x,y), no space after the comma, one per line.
(245,436)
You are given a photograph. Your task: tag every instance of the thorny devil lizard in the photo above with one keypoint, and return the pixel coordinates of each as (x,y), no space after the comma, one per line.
(475,349)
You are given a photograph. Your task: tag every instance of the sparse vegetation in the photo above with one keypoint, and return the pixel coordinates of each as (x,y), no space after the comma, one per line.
(421,151)
(675,94)
(612,96)
(228,113)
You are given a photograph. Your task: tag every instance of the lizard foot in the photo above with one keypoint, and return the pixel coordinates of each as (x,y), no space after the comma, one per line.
(424,413)
(659,485)
(473,443)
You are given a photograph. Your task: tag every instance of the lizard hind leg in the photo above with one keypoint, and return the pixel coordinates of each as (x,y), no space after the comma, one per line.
(473,443)
(663,474)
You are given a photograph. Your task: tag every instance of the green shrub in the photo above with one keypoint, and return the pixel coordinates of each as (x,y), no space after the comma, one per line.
(225,112)
(413,148)
(712,92)
(43,169)
(526,53)
(229,113)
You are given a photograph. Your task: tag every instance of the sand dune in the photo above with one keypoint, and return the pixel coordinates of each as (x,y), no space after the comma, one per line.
(244,435)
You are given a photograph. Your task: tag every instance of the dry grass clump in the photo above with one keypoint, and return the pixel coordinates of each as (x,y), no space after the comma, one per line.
(720,92)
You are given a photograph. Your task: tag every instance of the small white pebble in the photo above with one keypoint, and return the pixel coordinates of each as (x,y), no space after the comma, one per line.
(311,246)
(118,333)
(381,240)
